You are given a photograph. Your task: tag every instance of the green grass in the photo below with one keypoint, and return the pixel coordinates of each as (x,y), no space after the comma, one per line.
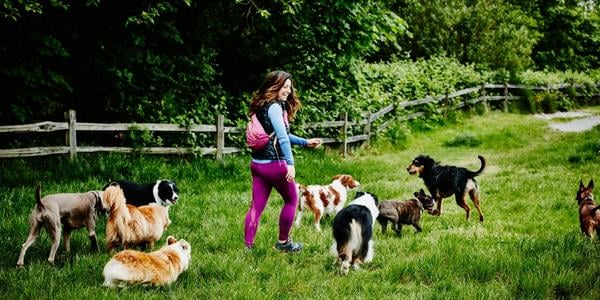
(528,247)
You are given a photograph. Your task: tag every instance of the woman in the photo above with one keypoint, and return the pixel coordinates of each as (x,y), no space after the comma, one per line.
(273,166)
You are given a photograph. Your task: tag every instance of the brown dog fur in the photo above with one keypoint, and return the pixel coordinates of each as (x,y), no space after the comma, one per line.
(404,212)
(324,199)
(589,216)
(130,226)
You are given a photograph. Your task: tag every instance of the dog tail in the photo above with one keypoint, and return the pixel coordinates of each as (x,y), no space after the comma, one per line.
(478,172)
(38,195)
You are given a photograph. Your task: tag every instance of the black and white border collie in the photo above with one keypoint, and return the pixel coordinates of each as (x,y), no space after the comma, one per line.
(163,192)
(353,230)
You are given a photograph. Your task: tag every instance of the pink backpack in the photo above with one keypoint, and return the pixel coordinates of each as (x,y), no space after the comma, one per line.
(256,137)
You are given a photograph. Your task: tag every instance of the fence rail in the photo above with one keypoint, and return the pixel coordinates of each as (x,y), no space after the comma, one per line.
(71,126)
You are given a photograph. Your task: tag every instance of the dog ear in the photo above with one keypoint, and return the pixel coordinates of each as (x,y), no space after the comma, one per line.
(591,184)
(171,240)
(581,186)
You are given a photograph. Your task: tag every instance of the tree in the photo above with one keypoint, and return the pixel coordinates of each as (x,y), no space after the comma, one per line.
(490,33)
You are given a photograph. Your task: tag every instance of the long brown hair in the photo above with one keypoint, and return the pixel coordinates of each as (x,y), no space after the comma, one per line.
(269,90)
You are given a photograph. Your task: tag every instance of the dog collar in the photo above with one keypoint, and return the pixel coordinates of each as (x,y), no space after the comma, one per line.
(98,199)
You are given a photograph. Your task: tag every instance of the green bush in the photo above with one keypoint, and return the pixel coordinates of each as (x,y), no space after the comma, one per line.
(466,139)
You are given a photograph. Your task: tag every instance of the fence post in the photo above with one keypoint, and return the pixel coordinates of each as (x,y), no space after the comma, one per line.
(505,97)
(367,129)
(220,137)
(445,103)
(344,134)
(483,96)
(72,134)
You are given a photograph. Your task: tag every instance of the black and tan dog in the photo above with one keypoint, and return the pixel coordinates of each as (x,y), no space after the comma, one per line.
(589,216)
(404,212)
(445,181)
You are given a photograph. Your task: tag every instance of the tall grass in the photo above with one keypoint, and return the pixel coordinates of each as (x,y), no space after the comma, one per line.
(528,247)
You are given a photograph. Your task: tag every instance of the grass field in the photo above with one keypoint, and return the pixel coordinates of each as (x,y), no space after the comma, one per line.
(529,246)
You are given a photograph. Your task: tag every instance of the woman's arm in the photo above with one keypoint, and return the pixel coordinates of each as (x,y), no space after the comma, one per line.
(296,140)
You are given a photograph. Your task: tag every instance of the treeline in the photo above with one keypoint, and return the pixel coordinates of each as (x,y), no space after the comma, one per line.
(184,61)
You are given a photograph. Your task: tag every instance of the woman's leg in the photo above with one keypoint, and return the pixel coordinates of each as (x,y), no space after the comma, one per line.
(289,192)
(260,195)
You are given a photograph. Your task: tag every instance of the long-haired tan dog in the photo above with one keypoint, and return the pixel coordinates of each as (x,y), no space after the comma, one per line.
(154,268)
(130,226)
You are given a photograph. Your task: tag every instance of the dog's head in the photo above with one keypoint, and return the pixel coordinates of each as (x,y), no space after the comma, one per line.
(113,197)
(585,193)
(419,164)
(347,181)
(182,247)
(99,204)
(427,201)
(167,192)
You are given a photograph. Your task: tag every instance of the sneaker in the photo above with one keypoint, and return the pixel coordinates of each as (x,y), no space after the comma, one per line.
(289,246)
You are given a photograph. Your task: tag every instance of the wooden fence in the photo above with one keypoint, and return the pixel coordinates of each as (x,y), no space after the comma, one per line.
(71,126)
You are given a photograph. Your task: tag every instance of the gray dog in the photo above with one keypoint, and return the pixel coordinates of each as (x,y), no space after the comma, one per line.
(73,210)
(404,212)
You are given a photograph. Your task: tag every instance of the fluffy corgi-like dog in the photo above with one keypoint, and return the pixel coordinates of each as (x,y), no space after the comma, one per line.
(130,226)
(353,230)
(325,199)
(155,268)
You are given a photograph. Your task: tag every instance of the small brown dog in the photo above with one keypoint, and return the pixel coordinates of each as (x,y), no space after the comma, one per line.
(589,216)
(130,226)
(404,212)
(73,210)
(156,268)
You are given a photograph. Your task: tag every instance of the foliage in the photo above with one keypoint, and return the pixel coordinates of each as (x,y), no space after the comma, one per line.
(381,84)
(571,36)
(467,139)
(470,31)
(186,61)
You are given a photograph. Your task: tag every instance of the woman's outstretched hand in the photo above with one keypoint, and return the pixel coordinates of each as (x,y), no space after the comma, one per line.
(314,143)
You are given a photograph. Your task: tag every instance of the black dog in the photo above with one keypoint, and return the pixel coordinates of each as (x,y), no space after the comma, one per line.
(163,192)
(353,230)
(444,181)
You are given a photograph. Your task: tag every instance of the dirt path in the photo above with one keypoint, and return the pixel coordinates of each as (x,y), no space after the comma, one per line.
(582,121)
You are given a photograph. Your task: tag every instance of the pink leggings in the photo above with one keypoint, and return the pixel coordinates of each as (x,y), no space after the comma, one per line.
(265,177)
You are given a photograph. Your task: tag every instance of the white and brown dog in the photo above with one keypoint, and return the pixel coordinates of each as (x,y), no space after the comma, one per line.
(325,199)
(73,210)
(155,268)
(129,225)
(353,230)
